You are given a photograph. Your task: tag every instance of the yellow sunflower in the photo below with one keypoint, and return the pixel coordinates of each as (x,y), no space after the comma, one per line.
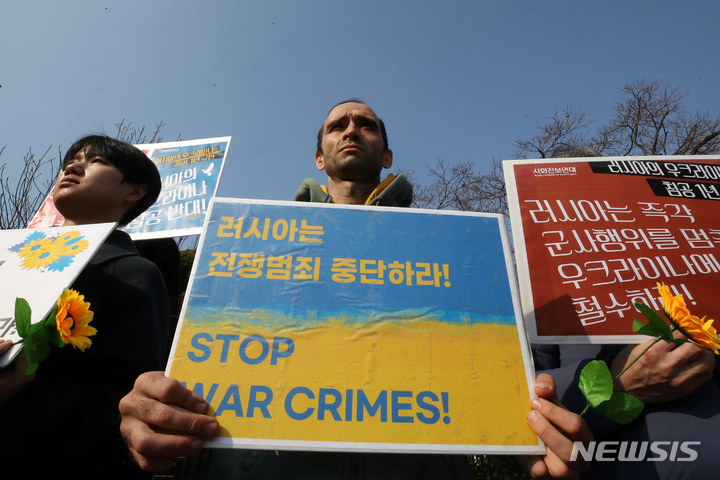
(72,319)
(700,331)
(38,253)
(674,306)
(694,328)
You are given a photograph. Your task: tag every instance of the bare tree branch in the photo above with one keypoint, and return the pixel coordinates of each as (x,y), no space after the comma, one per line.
(567,128)
(19,203)
(460,187)
(650,119)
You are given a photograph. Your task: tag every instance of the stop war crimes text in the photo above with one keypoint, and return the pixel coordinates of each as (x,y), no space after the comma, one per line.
(301,402)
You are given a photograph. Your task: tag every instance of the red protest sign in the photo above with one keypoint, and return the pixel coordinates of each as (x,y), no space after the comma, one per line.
(594,236)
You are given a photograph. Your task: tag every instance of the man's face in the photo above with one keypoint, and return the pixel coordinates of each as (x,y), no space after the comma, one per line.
(93,189)
(352,144)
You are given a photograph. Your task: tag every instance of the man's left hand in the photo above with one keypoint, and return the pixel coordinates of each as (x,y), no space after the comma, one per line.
(558,428)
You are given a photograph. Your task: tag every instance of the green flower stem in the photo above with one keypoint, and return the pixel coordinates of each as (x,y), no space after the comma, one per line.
(657,339)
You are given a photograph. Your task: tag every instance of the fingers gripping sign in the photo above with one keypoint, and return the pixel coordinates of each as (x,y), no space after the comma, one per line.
(162,420)
(559,429)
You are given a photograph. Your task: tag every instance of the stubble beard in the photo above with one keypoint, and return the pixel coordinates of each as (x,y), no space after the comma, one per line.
(365,168)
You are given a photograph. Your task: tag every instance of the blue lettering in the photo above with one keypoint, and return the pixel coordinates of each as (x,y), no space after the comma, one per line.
(429,407)
(288,403)
(348,405)
(226,339)
(397,406)
(205,349)
(244,345)
(276,353)
(254,403)
(380,404)
(331,407)
(232,394)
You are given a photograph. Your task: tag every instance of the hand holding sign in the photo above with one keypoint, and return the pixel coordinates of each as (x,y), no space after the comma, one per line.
(558,428)
(162,420)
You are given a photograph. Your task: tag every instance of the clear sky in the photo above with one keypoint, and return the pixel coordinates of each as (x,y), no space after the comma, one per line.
(454,80)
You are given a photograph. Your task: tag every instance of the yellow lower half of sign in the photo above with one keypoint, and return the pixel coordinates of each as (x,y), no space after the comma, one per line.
(415,382)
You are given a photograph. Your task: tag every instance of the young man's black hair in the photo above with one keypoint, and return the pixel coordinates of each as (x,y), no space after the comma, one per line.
(134,165)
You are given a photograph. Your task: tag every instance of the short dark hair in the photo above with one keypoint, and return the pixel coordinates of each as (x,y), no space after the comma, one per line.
(351,100)
(134,165)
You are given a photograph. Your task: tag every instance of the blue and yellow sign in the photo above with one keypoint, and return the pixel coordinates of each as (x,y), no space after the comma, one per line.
(336,327)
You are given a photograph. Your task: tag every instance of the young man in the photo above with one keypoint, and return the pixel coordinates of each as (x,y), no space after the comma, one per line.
(352,150)
(63,423)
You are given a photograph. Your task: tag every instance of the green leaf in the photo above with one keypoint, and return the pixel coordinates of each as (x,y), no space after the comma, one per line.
(31,368)
(680,341)
(656,320)
(36,353)
(41,335)
(596,382)
(646,329)
(621,408)
(57,341)
(50,319)
(22,316)
(50,325)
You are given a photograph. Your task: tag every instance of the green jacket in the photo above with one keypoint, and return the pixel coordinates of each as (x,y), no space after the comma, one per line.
(394,191)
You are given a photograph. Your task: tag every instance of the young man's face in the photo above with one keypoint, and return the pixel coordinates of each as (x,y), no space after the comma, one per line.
(352,144)
(91,190)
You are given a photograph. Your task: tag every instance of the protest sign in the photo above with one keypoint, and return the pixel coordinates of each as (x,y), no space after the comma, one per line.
(190,171)
(594,236)
(37,265)
(337,327)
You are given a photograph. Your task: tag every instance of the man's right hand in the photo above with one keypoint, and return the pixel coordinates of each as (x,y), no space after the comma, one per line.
(162,420)
(664,373)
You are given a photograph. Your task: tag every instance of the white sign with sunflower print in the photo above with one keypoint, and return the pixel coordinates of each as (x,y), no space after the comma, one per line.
(37,265)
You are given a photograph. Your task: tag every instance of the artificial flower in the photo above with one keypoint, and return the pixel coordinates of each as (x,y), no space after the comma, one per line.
(596,380)
(694,328)
(674,306)
(72,319)
(700,331)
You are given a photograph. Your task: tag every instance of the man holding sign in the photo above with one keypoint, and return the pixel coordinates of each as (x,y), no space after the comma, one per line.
(162,419)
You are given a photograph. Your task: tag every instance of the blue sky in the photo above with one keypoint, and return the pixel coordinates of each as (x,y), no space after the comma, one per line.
(453,80)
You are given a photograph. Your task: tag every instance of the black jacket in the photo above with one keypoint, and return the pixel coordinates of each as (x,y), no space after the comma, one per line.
(65,423)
